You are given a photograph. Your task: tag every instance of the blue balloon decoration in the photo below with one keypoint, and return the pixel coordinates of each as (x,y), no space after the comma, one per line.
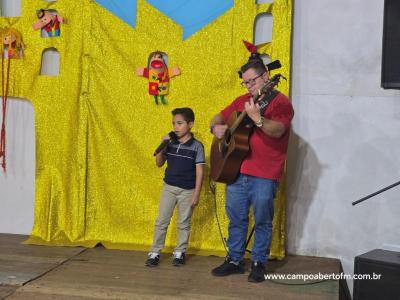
(123,9)
(192,15)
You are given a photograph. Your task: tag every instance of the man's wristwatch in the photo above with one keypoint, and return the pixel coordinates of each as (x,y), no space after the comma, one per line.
(260,123)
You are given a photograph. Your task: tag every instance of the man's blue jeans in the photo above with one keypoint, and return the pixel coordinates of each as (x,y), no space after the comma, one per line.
(249,191)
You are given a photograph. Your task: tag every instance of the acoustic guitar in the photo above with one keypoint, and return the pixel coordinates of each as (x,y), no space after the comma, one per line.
(228,153)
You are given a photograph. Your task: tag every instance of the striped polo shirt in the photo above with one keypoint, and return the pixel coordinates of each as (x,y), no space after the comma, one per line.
(182,160)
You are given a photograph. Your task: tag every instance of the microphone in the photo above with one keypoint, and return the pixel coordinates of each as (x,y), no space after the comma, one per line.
(164,144)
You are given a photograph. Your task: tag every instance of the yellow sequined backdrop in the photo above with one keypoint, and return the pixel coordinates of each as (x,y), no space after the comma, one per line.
(97,127)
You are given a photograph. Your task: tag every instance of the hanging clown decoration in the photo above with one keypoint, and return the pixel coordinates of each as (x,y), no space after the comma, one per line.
(158,74)
(11,48)
(49,22)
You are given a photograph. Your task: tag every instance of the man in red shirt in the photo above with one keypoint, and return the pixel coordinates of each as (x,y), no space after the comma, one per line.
(260,171)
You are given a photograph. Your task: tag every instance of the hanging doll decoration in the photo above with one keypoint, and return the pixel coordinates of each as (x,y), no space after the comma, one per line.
(158,75)
(11,48)
(12,45)
(254,55)
(49,22)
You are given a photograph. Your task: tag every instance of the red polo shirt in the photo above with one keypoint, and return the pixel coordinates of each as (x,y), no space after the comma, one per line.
(267,155)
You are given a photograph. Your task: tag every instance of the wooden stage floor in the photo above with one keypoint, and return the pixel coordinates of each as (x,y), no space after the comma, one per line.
(39,272)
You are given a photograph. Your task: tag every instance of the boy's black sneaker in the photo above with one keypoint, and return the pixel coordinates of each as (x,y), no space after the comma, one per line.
(257,273)
(228,267)
(179,259)
(153,260)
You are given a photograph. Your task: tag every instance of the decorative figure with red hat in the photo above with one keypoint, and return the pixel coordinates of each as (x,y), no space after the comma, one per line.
(49,22)
(255,55)
(158,75)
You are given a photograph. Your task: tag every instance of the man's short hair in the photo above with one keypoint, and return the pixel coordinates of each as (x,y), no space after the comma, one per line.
(186,112)
(256,64)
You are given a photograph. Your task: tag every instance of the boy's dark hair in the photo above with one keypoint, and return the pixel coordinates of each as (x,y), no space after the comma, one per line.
(186,112)
(255,64)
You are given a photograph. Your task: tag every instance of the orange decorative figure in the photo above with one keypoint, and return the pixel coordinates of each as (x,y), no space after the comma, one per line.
(49,22)
(11,47)
(158,75)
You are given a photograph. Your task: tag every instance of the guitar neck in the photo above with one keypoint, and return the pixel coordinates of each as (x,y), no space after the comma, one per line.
(243,115)
(266,89)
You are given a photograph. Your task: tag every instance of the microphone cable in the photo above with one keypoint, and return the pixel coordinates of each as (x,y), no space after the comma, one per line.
(213,188)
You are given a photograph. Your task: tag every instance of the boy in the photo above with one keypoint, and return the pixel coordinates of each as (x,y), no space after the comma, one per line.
(182,184)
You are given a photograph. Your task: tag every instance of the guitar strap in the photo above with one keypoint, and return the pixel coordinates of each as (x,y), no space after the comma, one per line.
(267,100)
(263,107)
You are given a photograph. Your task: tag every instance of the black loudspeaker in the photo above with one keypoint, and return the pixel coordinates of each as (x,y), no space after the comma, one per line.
(390,78)
(383,268)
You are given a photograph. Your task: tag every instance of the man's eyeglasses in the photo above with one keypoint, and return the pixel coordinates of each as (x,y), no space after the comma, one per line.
(251,81)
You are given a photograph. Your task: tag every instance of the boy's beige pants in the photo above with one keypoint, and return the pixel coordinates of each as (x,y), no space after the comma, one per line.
(172,196)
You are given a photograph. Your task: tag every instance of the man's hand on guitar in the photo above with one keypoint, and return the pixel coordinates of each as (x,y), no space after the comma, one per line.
(252,110)
(219,130)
